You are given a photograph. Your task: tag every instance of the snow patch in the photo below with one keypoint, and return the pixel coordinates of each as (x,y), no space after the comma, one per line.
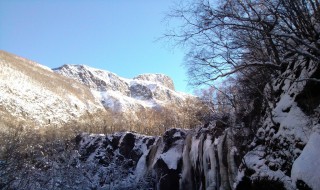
(172,157)
(307,166)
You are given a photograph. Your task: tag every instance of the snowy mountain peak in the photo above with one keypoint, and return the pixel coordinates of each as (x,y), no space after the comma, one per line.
(94,78)
(157,78)
(106,80)
(121,94)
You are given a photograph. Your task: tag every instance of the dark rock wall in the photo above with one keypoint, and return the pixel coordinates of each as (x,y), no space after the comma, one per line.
(180,159)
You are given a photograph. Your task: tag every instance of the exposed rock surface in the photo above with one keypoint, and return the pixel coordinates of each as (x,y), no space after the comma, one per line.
(121,94)
(140,92)
(157,78)
(194,159)
(94,78)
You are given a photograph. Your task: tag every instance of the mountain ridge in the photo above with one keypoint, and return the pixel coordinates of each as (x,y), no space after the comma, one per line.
(147,90)
(45,96)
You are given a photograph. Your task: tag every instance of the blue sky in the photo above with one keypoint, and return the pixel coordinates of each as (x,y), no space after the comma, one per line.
(115,35)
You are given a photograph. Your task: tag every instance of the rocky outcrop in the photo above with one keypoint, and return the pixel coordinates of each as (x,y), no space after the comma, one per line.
(94,78)
(140,92)
(194,159)
(157,78)
(285,130)
(126,95)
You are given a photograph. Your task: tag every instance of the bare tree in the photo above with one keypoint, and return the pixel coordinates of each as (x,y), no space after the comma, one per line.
(226,37)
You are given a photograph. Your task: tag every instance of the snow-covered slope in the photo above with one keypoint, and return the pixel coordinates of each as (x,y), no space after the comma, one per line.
(283,150)
(32,92)
(123,95)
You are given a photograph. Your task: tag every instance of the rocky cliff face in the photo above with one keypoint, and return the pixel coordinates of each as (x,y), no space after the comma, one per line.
(93,78)
(203,158)
(180,159)
(278,149)
(120,94)
(157,78)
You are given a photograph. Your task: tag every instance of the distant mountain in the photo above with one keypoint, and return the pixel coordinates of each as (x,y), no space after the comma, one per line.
(121,94)
(34,93)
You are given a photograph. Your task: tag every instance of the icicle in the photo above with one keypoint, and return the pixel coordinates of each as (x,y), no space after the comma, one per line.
(186,181)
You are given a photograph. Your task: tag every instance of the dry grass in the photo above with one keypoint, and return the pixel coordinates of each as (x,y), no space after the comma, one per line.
(25,147)
(145,121)
(52,81)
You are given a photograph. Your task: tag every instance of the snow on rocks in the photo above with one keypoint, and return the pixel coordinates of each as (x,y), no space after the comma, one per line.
(157,78)
(306,168)
(285,130)
(115,161)
(173,141)
(179,159)
(121,94)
